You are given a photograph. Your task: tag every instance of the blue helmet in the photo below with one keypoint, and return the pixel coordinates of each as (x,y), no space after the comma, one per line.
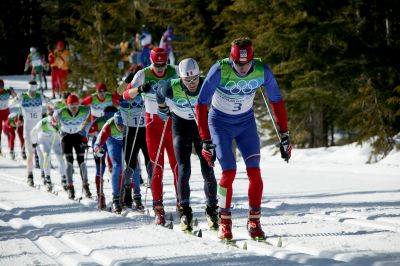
(109,112)
(118,119)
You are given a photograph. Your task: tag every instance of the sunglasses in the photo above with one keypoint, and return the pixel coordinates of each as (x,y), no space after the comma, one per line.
(191,80)
(160,65)
(242,64)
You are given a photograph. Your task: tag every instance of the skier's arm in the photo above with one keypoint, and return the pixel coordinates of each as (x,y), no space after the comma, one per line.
(132,90)
(163,92)
(104,134)
(205,96)
(275,98)
(87,100)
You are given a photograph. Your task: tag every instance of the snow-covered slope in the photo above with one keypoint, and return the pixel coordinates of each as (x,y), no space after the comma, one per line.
(327,206)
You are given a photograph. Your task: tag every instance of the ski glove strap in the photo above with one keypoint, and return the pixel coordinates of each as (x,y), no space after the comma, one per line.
(208,152)
(285,146)
(164,113)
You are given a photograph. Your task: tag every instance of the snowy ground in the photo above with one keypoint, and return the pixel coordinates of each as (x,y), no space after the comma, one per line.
(327,206)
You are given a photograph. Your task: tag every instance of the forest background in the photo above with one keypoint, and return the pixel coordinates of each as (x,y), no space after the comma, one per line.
(336,61)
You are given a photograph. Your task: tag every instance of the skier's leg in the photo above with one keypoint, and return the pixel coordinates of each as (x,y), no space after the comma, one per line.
(169,147)
(28,146)
(58,153)
(153,137)
(69,158)
(115,151)
(11,138)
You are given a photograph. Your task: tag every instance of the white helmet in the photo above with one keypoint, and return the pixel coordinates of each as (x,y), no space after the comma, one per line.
(32,50)
(188,67)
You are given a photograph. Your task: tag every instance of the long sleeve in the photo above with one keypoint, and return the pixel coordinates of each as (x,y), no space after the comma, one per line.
(104,134)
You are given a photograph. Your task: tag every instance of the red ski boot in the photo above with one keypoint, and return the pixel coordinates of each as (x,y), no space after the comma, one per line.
(225,226)
(159,214)
(254,226)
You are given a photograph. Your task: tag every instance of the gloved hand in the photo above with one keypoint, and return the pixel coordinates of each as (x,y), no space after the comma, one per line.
(84,144)
(164,113)
(208,152)
(285,147)
(98,151)
(145,87)
(34,145)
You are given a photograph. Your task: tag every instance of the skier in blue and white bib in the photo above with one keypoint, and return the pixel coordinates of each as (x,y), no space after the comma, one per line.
(230,87)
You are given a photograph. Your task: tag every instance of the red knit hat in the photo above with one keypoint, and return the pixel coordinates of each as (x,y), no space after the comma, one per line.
(60,44)
(158,55)
(101,87)
(72,99)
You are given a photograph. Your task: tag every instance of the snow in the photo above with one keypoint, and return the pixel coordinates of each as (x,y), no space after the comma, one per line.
(327,205)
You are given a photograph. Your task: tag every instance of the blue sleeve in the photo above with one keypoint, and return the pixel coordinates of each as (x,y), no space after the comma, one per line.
(209,85)
(163,92)
(271,86)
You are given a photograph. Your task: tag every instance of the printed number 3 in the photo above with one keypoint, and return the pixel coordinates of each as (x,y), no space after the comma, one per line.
(237,107)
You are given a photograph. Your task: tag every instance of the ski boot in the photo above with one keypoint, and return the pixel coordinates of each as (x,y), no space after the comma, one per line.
(12,155)
(86,190)
(30,180)
(186,217)
(48,184)
(159,215)
(225,226)
(24,155)
(127,196)
(138,204)
(101,201)
(254,226)
(64,182)
(71,191)
(116,206)
(212,216)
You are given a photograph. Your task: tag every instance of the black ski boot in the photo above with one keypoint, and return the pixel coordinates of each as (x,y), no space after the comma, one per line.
(127,196)
(30,180)
(24,155)
(212,216)
(48,184)
(186,217)
(71,191)
(116,206)
(138,204)
(64,182)
(86,190)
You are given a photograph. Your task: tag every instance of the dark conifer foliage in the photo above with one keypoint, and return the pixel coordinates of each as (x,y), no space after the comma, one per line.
(335,61)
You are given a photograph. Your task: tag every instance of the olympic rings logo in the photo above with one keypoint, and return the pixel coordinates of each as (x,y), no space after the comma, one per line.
(158,84)
(137,102)
(242,86)
(183,103)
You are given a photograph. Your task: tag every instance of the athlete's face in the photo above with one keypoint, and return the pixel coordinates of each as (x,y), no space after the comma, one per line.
(159,68)
(121,128)
(101,94)
(242,69)
(73,108)
(191,82)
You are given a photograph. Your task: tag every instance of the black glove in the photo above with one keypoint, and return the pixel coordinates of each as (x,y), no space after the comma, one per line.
(164,113)
(208,152)
(145,88)
(285,147)
(34,145)
(129,78)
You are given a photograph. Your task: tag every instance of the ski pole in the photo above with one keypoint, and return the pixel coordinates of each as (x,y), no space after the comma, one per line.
(156,161)
(101,183)
(269,112)
(194,115)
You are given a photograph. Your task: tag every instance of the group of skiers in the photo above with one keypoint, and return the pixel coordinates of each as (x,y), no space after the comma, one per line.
(57,63)
(166,108)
